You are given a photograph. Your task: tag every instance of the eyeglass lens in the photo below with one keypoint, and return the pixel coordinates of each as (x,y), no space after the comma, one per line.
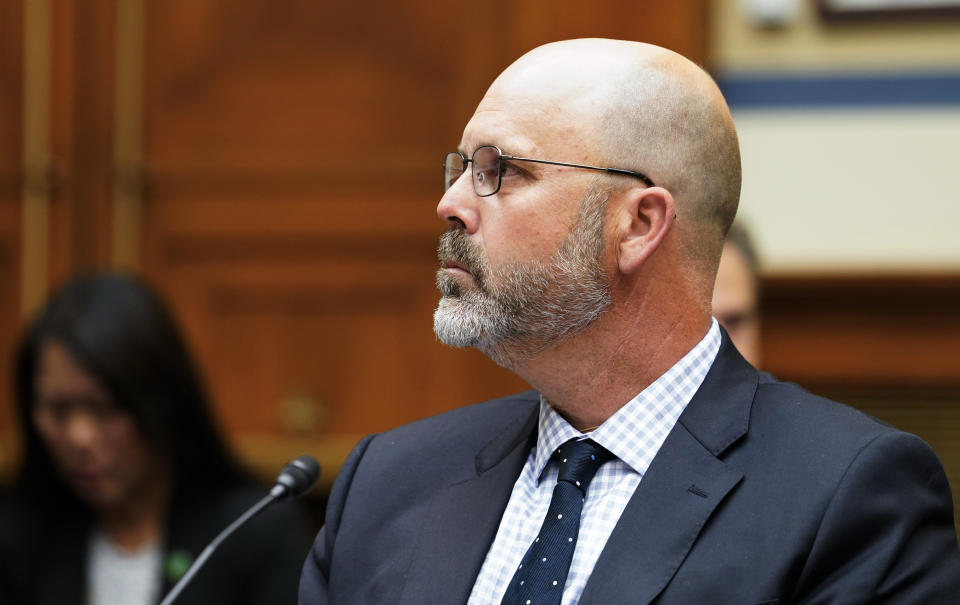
(453,164)
(485,169)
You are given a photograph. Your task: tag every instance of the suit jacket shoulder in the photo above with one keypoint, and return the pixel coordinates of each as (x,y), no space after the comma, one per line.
(762,493)
(766,493)
(449,442)
(418,503)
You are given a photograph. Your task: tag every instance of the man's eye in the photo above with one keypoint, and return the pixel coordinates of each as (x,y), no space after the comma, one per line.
(509,169)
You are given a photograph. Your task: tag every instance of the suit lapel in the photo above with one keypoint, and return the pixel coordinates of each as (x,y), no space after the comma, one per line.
(462,520)
(660,523)
(681,489)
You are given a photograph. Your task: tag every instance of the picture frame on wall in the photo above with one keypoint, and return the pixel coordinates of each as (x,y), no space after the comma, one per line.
(887,10)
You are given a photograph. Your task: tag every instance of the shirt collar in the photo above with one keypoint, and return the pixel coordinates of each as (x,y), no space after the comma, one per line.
(650,415)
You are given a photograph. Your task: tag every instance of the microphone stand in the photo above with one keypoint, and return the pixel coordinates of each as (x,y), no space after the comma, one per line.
(252,512)
(295,479)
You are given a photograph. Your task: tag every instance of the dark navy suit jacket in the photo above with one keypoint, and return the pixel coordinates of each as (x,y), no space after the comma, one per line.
(762,493)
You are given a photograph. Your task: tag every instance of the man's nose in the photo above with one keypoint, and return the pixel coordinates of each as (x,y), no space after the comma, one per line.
(460,205)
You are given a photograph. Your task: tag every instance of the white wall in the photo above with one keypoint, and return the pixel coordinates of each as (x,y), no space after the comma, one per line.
(872,189)
(846,188)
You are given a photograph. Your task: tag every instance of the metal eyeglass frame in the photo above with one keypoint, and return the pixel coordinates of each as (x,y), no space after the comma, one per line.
(501,157)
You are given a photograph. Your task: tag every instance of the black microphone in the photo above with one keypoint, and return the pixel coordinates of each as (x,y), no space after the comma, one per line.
(294,480)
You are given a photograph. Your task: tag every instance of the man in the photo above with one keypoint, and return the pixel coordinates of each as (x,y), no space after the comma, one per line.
(736,294)
(587,207)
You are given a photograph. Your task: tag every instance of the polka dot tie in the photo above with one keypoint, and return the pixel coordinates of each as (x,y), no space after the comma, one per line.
(540,578)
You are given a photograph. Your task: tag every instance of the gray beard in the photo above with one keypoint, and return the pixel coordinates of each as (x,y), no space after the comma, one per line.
(513,313)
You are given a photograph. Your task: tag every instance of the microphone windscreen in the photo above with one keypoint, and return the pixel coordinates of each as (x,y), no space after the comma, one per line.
(297,477)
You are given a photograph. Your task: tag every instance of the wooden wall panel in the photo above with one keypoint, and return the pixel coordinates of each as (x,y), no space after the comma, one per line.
(866,331)
(10,219)
(11,184)
(292,155)
(11,99)
(679,26)
(81,115)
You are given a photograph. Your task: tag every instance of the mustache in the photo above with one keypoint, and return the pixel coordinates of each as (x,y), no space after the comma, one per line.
(456,247)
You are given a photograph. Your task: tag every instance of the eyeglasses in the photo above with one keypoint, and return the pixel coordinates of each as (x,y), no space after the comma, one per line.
(488,165)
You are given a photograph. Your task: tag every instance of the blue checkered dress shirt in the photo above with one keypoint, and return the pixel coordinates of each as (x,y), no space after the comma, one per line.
(633,434)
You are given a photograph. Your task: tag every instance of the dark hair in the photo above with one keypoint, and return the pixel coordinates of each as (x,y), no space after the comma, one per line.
(740,238)
(119,330)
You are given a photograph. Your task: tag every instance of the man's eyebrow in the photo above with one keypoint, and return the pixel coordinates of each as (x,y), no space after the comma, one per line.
(503,147)
(462,149)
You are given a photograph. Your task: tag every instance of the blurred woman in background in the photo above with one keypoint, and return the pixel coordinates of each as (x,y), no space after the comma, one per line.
(124,478)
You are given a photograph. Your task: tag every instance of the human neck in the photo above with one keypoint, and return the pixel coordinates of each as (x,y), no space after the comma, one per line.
(140,520)
(589,377)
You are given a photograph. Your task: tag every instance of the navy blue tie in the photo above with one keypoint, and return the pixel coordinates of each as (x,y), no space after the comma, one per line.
(540,578)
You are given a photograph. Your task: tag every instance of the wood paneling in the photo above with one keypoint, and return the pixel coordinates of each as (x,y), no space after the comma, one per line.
(292,155)
(679,26)
(81,135)
(9,307)
(11,99)
(11,184)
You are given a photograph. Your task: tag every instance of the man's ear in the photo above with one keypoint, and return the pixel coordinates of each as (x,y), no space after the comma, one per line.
(648,217)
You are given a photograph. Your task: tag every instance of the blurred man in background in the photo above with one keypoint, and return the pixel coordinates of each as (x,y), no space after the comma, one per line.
(736,293)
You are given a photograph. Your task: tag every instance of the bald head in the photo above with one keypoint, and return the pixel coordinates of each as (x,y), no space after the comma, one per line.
(642,107)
